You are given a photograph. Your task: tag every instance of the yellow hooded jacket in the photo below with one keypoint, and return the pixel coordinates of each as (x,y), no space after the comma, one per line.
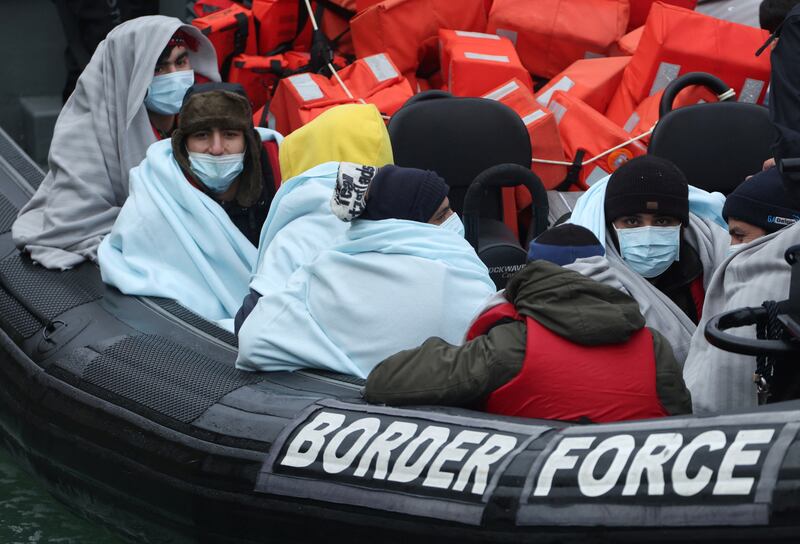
(351,132)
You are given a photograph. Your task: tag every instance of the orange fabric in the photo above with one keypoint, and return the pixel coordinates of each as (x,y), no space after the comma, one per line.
(676,41)
(336,26)
(204,7)
(592,80)
(221,28)
(277,22)
(553,34)
(408,30)
(582,127)
(271,149)
(473,62)
(626,45)
(641,8)
(361,5)
(646,114)
(259,74)
(543,130)
(300,98)
(563,380)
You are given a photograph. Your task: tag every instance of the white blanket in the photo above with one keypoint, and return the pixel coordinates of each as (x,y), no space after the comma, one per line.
(102,132)
(720,381)
(387,287)
(299,226)
(172,240)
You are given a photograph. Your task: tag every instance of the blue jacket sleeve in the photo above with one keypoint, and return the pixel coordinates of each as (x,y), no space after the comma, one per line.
(248,304)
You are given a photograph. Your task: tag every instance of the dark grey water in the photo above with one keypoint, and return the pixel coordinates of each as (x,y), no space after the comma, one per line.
(30,515)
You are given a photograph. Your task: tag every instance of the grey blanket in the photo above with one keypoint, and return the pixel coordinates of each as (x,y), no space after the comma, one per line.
(102,132)
(722,381)
(711,243)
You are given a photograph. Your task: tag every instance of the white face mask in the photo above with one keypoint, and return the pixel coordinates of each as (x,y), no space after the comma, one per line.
(217,172)
(734,248)
(453,223)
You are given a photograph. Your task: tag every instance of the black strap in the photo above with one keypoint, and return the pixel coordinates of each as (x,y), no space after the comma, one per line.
(239,43)
(770,329)
(574,172)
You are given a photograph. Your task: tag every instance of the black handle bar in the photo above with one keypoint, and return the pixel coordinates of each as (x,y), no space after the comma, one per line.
(687,80)
(504,175)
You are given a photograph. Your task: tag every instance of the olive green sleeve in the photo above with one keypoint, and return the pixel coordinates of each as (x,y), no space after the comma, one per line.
(440,373)
(670,387)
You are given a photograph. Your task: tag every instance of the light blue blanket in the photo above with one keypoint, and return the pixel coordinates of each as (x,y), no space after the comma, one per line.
(387,286)
(589,210)
(299,226)
(171,240)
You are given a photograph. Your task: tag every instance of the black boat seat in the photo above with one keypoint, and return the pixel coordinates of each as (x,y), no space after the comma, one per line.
(717,145)
(459,138)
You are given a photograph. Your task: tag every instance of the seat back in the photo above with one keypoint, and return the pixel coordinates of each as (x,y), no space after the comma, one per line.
(459,138)
(717,145)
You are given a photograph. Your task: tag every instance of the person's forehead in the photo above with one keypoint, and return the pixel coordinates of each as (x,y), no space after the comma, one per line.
(738,224)
(176,52)
(217,129)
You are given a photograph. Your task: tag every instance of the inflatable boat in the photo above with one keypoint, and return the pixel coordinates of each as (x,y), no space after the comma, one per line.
(132,407)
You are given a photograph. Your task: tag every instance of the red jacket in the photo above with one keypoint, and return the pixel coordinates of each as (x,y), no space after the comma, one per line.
(563,380)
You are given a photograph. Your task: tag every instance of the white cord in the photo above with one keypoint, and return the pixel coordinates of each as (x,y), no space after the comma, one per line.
(330,65)
(600,155)
(311,15)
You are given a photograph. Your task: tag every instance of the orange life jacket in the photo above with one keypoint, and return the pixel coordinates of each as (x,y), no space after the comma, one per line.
(582,127)
(552,34)
(299,99)
(474,62)
(563,380)
(543,130)
(592,80)
(676,41)
(641,8)
(231,31)
(408,30)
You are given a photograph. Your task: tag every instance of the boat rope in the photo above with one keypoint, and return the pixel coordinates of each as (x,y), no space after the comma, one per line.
(331,67)
(600,155)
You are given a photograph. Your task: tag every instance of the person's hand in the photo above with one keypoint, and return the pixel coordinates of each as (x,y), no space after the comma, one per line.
(769,163)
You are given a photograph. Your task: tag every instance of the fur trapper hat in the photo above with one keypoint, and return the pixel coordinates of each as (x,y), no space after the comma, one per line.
(224,106)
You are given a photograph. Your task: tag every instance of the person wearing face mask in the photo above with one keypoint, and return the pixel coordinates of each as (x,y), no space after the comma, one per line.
(221,153)
(401,273)
(663,241)
(172,77)
(554,347)
(103,131)
(180,234)
(763,221)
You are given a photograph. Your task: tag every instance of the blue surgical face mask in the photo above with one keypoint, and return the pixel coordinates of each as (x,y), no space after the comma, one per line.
(649,251)
(165,94)
(453,223)
(217,172)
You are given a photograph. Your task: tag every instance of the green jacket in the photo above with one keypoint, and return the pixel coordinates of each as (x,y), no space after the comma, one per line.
(573,306)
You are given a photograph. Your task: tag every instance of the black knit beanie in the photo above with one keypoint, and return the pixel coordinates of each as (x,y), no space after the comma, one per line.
(761,201)
(564,244)
(647,184)
(404,193)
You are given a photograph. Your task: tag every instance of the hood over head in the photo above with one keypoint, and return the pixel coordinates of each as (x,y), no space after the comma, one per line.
(573,306)
(348,133)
